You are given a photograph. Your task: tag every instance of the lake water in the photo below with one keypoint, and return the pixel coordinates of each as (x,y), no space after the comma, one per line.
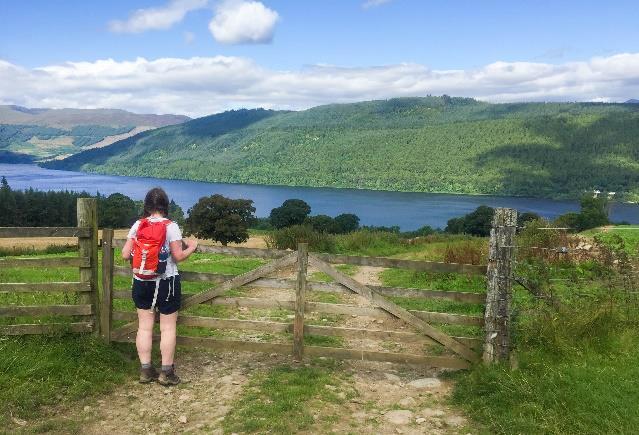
(408,210)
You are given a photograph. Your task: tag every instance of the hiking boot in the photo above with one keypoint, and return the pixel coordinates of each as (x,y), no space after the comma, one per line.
(148,375)
(168,378)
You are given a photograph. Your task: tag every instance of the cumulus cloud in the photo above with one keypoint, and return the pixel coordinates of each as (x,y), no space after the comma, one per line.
(204,85)
(160,18)
(243,22)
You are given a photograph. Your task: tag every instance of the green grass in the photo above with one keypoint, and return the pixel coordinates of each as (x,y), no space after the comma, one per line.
(439,305)
(578,370)
(589,392)
(282,400)
(629,234)
(36,371)
(433,281)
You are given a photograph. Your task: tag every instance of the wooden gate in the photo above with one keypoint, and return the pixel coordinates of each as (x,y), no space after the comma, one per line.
(79,312)
(454,352)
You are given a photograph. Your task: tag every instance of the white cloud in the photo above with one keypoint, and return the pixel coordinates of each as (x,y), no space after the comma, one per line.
(243,22)
(204,85)
(160,18)
(374,3)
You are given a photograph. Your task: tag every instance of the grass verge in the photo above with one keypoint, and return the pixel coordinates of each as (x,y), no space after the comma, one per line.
(36,371)
(282,399)
(590,392)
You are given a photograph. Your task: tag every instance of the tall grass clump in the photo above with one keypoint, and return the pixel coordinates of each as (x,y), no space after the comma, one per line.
(366,242)
(289,237)
(472,251)
(577,368)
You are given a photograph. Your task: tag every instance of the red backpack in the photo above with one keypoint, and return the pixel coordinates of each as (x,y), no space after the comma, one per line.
(149,254)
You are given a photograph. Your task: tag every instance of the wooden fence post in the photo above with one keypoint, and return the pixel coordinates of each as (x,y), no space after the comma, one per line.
(88,247)
(300,302)
(501,258)
(106,311)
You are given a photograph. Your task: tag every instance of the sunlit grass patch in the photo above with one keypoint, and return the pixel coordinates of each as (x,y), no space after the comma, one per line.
(433,280)
(45,370)
(283,399)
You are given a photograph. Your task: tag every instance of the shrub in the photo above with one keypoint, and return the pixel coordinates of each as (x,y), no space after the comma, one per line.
(346,223)
(291,212)
(262,223)
(424,231)
(222,219)
(528,216)
(117,211)
(321,223)
(289,237)
(593,214)
(476,223)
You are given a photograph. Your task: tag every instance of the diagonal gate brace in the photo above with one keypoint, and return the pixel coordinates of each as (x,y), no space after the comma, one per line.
(216,291)
(394,309)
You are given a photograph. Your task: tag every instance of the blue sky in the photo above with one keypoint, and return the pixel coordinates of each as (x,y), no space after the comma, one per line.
(277,40)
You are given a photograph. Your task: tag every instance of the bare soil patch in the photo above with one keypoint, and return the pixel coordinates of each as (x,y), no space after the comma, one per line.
(379,398)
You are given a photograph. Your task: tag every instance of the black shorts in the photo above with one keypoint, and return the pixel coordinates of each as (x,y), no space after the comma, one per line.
(167,299)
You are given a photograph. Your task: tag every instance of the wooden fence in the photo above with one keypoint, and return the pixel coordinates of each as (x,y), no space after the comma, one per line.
(458,352)
(418,327)
(85,309)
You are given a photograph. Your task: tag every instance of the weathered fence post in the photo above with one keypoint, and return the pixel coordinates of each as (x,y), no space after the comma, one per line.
(88,246)
(500,283)
(300,301)
(106,311)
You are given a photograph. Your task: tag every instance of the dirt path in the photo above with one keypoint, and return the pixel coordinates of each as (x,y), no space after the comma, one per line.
(368,275)
(383,399)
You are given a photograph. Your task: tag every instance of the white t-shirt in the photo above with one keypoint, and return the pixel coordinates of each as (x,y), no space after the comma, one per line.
(173,233)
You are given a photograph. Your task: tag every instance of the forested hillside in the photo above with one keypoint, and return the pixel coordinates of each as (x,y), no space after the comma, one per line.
(432,144)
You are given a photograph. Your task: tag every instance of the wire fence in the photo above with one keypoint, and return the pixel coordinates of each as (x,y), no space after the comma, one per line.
(568,266)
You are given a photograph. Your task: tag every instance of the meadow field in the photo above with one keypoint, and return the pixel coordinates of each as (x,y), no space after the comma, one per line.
(574,368)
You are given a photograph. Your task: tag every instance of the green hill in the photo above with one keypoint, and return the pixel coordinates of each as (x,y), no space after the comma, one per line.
(35,134)
(432,144)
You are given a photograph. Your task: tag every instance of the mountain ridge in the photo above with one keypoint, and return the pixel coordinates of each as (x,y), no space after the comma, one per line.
(41,134)
(67,117)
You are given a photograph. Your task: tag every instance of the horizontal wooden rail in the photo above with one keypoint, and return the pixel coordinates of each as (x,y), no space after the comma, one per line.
(50,287)
(16,232)
(45,310)
(421,266)
(349,310)
(281,283)
(279,327)
(318,351)
(328,308)
(46,328)
(45,262)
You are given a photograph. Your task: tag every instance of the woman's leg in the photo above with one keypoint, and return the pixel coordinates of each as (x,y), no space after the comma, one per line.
(144,339)
(167,337)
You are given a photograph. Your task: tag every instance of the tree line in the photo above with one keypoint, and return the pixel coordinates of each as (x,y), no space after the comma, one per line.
(593,213)
(35,208)
(228,220)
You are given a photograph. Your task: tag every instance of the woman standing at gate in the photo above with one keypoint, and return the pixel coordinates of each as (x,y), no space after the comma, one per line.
(154,246)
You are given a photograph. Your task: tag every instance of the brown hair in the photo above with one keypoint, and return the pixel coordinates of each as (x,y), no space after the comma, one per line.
(156,201)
